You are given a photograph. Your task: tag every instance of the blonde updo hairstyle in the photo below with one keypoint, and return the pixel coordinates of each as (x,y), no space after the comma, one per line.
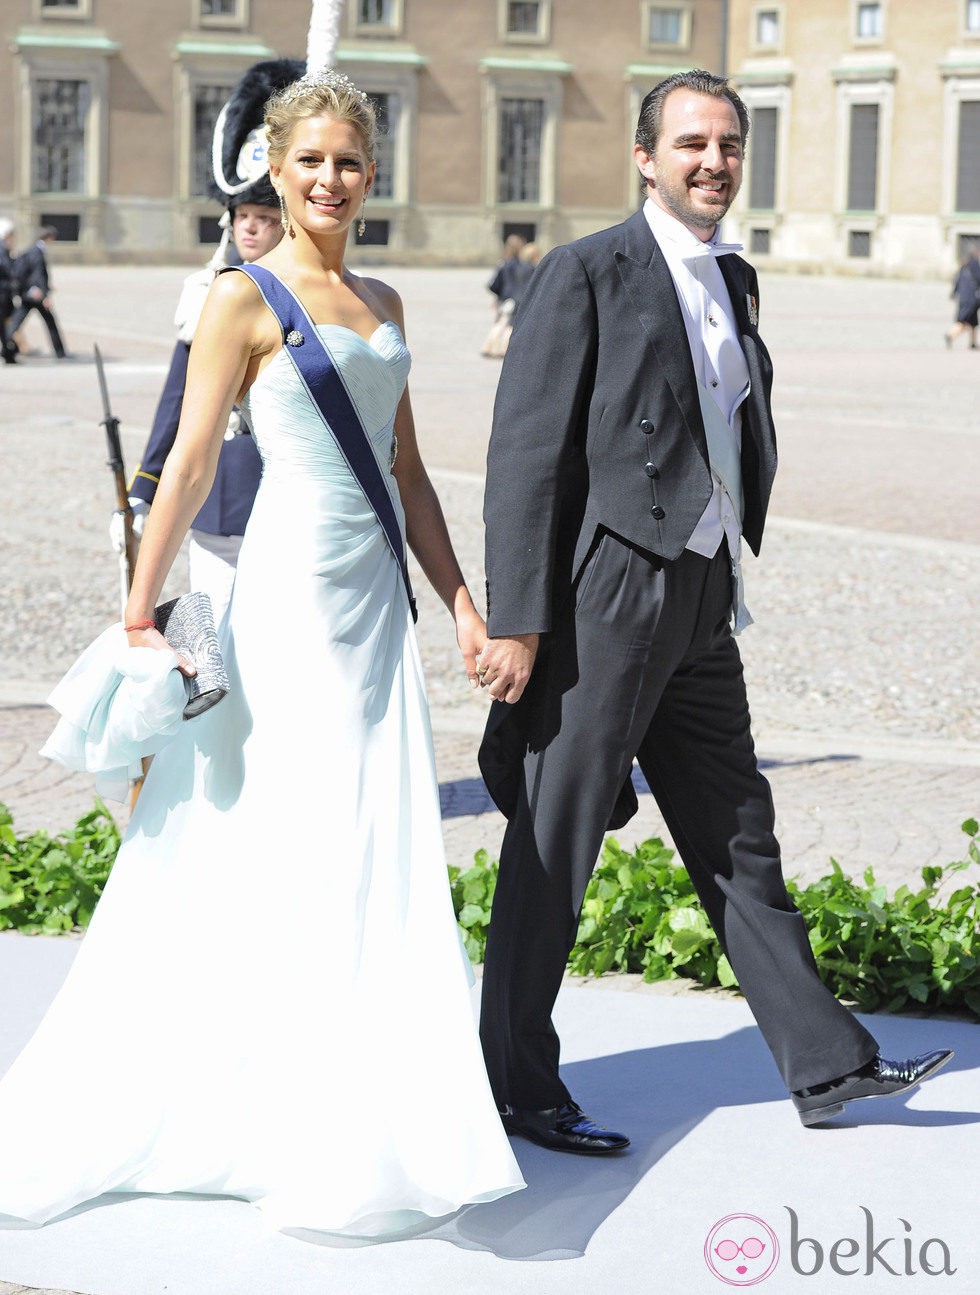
(318,98)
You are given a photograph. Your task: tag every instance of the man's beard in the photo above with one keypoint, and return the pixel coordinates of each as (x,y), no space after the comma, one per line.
(677,200)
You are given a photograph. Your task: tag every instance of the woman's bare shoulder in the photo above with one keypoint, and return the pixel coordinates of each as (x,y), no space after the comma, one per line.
(234,291)
(388,302)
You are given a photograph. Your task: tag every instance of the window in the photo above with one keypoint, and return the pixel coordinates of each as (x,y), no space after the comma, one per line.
(58,152)
(527,21)
(667,26)
(375,17)
(767,29)
(971,19)
(859,242)
(522,228)
(870,22)
(67,225)
(208,102)
(762,159)
(967,152)
(519,157)
(64,8)
(760,242)
(222,13)
(523,18)
(862,169)
(387,108)
(208,230)
(377,233)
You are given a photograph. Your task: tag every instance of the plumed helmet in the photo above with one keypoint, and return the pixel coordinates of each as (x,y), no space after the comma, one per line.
(240,164)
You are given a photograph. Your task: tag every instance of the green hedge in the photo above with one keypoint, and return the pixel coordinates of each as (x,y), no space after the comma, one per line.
(641,914)
(49,885)
(918,949)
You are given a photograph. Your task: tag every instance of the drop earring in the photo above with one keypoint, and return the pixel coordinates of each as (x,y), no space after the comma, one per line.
(284,215)
(361,224)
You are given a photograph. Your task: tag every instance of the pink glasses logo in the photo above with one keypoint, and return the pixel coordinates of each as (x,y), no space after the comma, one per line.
(741,1250)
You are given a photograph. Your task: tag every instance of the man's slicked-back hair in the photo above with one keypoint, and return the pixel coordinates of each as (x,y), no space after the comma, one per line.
(651,110)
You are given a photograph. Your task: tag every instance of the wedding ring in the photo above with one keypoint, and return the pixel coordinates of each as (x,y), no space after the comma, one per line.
(481,670)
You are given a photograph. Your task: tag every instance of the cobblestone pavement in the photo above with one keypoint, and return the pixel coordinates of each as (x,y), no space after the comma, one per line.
(862,665)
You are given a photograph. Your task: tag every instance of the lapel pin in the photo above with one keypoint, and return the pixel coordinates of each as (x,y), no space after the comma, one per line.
(753,306)
(294,338)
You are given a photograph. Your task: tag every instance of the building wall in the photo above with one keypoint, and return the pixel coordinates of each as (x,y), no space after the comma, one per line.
(132,198)
(917,71)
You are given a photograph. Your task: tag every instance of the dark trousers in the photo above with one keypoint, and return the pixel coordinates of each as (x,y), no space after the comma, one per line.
(646,666)
(6,310)
(21,313)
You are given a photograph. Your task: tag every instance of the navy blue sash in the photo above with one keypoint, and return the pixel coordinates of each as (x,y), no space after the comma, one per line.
(326,389)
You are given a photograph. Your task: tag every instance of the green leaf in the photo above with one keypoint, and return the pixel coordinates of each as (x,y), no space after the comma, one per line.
(726,977)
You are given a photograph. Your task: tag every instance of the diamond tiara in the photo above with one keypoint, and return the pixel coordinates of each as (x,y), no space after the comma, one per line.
(330,79)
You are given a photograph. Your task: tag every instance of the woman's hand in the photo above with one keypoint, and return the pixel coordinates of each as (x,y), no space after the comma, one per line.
(471,635)
(152,638)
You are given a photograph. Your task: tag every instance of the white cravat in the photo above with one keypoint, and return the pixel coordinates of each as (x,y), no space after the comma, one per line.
(719,366)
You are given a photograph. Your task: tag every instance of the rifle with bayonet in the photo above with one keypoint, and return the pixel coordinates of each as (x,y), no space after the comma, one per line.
(127,551)
(127,554)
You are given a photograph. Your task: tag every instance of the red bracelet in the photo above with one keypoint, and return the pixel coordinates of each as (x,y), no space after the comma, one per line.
(140,625)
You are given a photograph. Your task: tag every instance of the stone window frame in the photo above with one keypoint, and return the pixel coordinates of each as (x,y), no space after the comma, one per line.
(502,81)
(373,31)
(191,72)
(755,45)
(778,96)
(855,88)
(541,37)
(68,64)
(686,10)
(967,32)
(864,41)
(959,84)
(81,10)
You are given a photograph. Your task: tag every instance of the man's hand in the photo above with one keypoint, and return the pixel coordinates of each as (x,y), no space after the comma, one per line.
(505,665)
(117,529)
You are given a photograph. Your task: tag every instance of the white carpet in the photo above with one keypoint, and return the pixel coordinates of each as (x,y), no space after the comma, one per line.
(713,1135)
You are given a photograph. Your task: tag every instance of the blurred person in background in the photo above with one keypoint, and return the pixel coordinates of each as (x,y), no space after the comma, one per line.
(966,290)
(7,283)
(34,287)
(503,284)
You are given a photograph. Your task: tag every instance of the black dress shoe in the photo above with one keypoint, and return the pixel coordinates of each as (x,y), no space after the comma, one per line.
(563,1128)
(879,1078)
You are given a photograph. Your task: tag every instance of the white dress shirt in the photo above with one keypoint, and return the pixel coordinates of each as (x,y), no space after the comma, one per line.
(719,361)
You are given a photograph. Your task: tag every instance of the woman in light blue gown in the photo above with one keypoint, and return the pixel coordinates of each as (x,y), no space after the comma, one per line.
(271,1002)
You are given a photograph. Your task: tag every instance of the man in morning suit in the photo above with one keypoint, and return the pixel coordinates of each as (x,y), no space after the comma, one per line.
(632,451)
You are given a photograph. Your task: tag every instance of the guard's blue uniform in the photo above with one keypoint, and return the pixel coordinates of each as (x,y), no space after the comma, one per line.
(226,509)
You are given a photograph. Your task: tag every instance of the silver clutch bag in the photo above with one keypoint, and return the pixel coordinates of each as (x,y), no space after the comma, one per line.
(187,623)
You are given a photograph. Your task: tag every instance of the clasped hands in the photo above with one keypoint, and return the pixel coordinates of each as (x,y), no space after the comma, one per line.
(504,665)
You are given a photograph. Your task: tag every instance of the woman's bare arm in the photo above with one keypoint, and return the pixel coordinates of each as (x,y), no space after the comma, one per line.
(226,340)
